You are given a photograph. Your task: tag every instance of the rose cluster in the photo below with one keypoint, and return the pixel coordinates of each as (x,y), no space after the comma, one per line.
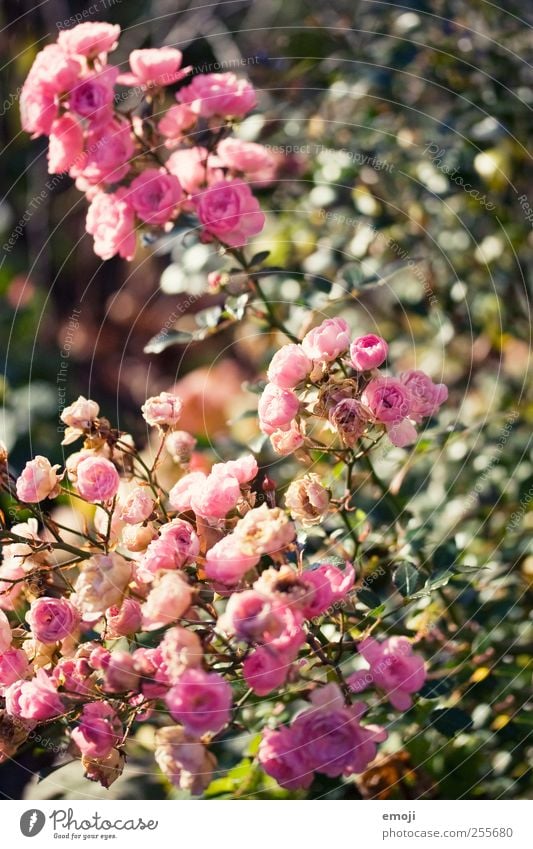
(331,383)
(169,603)
(142,168)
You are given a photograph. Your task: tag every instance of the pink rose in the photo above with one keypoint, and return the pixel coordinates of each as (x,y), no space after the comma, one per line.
(38,481)
(368,352)
(277,408)
(191,168)
(97,479)
(81,413)
(327,341)
(99,731)
(91,39)
(216,497)
(394,668)
(157,66)
(249,616)
(162,410)
(35,699)
(6,636)
(101,583)
(229,211)
(244,469)
(53,70)
(121,674)
(201,701)
(286,442)
(180,445)
(308,500)
(109,151)
(289,366)
(264,530)
(154,195)
(175,120)
(184,759)
(249,158)
(181,493)
(281,757)
(166,602)
(111,221)
(65,145)
(425,397)
(176,545)
(137,506)
(14,666)
(265,670)
(218,94)
(349,420)
(180,649)
(38,109)
(328,585)
(226,563)
(124,620)
(52,619)
(388,402)
(92,96)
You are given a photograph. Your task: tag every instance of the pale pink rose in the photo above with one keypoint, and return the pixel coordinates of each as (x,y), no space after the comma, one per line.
(155,195)
(244,469)
(289,366)
(388,402)
(52,619)
(38,109)
(226,563)
(249,616)
(65,145)
(14,666)
(173,123)
(249,158)
(156,66)
(99,731)
(349,420)
(180,649)
(101,584)
(97,479)
(91,39)
(425,397)
(162,410)
(111,221)
(53,70)
(340,581)
(368,352)
(394,668)
(218,94)
(320,595)
(108,156)
(327,341)
(177,544)
(184,759)
(264,530)
(137,537)
(123,620)
(286,442)
(281,757)
(137,506)
(180,444)
(229,211)
(10,592)
(34,699)
(216,497)
(5,632)
(121,675)
(265,670)
(81,413)
(277,408)
(308,500)
(289,636)
(166,602)
(39,480)
(191,168)
(201,701)
(91,98)
(181,493)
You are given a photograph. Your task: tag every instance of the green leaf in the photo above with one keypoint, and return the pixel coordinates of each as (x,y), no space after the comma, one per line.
(407,579)
(159,343)
(450,721)
(260,257)
(444,556)
(368,598)
(436,688)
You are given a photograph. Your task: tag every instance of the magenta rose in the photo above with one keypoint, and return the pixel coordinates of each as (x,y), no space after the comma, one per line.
(52,619)
(368,352)
(99,731)
(201,701)
(111,221)
(218,94)
(155,195)
(229,211)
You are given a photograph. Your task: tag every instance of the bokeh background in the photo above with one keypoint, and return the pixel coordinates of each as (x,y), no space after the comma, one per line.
(401,133)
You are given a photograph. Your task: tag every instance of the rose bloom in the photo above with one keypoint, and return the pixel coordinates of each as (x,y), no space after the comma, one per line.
(154,195)
(244,469)
(289,366)
(175,546)
(218,94)
(226,563)
(91,39)
(104,770)
(349,420)
(368,352)
(34,699)
(137,506)
(101,584)
(52,619)
(5,632)
(14,666)
(394,668)
(109,151)
(229,211)
(162,410)
(281,757)
(92,96)
(166,602)
(180,445)
(180,649)
(123,620)
(81,413)
(264,530)
(97,479)
(175,120)
(65,145)
(216,497)
(181,493)
(308,500)
(53,70)
(192,169)
(10,593)
(121,675)
(38,481)
(388,402)
(425,397)
(156,66)
(277,408)
(250,158)
(286,442)
(201,701)
(99,731)
(327,341)
(38,109)
(249,615)
(137,537)
(184,759)
(111,221)
(265,670)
